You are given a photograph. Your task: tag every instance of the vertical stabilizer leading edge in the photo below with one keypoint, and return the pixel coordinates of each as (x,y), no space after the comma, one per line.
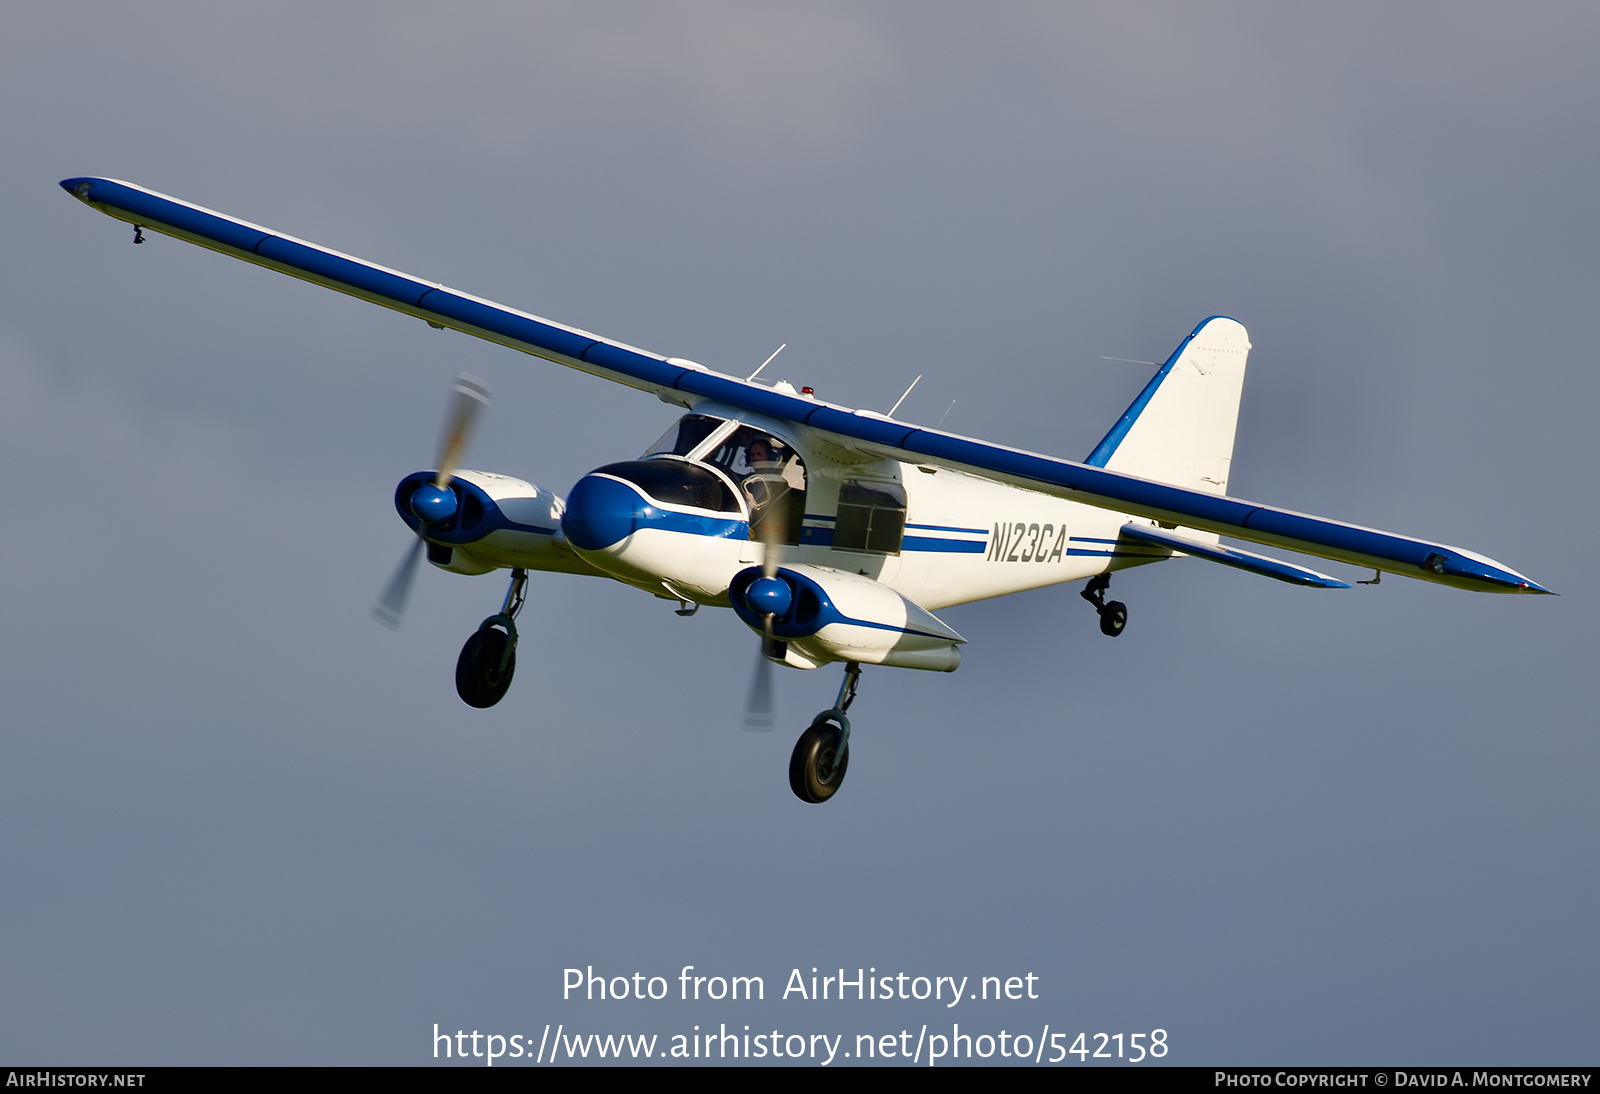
(1180,428)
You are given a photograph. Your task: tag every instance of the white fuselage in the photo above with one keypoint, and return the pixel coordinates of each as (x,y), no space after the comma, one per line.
(964,538)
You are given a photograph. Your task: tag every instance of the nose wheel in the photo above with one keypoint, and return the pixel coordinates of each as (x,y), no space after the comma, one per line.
(1114,613)
(489,658)
(485,667)
(822,754)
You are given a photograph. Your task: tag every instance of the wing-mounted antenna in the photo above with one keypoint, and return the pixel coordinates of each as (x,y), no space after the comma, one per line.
(750,378)
(902,398)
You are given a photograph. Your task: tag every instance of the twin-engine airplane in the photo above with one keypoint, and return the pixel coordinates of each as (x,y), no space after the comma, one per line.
(832,533)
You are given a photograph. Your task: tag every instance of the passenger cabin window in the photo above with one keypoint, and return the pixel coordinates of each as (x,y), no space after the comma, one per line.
(685,435)
(872,517)
(772,478)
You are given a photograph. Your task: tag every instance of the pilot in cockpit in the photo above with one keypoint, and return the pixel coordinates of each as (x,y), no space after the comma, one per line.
(759,455)
(766,482)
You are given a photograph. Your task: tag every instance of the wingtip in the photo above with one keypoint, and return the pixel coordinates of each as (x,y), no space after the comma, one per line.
(79,188)
(1522,585)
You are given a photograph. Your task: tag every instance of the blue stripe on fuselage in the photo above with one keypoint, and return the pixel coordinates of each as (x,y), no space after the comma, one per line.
(947,528)
(943,546)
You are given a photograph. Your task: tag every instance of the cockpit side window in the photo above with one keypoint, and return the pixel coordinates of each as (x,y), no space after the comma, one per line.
(772,477)
(747,451)
(685,435)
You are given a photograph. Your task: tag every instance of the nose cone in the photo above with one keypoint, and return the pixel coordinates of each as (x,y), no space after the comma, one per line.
(432,504)
(80,188)
(602,512)
(769,596)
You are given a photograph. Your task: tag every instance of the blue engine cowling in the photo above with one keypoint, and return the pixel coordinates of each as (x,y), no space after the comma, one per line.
(833,615)
(483,521)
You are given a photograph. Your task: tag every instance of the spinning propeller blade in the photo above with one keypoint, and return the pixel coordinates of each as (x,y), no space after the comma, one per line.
(771,521)
(770,533)
(758,703)
(469,396)
(392,604)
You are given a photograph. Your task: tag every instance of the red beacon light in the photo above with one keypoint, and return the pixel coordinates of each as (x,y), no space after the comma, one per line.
(808,391)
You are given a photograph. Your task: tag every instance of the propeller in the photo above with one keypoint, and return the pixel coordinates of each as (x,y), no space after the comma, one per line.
(435,503)
(770,596)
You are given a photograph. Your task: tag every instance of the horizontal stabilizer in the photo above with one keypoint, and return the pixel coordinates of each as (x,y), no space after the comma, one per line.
(1232,556)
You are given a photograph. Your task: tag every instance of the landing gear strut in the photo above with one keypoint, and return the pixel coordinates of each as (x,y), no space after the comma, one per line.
(822,754)
(1113,615)
(488,660)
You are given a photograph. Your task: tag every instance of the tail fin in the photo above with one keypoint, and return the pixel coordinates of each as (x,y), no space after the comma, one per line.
(1180,428)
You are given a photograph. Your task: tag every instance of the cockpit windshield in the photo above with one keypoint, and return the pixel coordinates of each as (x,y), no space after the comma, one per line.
(685,435)
(767,470)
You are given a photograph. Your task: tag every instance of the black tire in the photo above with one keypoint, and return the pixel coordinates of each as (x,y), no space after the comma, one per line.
(479,681)
(1113,617)
(814,753)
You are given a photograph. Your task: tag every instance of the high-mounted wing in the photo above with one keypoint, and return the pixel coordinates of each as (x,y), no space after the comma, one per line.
(685,382)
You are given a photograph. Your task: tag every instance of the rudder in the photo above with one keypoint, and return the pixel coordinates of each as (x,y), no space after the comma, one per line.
(1180,428)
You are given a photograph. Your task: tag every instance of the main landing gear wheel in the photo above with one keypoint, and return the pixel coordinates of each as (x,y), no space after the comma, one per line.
(485,667)
(820,759)
(1113,615)
(489,659)
(822,754)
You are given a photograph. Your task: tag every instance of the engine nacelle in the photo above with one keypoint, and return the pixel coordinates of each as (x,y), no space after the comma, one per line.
(834,615)
(483,521)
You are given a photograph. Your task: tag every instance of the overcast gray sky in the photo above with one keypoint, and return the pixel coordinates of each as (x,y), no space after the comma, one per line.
(243,824)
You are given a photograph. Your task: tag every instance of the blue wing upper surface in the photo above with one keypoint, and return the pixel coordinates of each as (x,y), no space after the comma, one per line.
(687,383)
